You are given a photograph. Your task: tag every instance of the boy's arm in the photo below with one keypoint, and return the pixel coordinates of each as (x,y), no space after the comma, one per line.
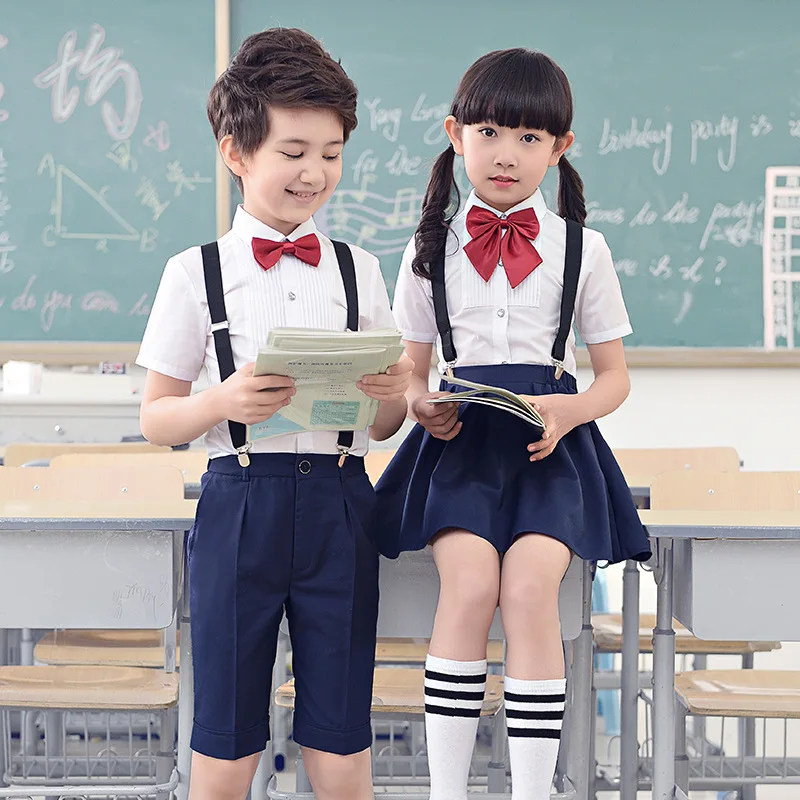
(171,415)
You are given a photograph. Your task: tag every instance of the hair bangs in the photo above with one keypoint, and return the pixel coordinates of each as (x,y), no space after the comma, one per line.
(515,89)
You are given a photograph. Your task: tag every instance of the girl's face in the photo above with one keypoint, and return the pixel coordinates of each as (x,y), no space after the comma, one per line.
(505,165)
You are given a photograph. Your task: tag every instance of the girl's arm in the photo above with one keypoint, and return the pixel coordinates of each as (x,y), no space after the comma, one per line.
(439,420)
(563,412)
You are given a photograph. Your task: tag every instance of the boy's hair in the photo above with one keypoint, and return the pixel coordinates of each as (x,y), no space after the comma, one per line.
(281,68)
(515,88)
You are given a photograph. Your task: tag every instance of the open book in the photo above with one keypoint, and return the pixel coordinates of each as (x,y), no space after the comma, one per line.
(325,366)
(493,397)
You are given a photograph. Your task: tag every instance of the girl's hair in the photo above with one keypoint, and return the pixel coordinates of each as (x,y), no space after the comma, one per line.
(515,88)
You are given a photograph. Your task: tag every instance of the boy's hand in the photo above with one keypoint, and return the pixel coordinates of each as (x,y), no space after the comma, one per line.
(392,385)
(249,399)
(558,412)
(439,419)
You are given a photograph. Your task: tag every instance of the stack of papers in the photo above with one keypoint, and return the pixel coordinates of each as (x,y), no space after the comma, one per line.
(325,366)
(494,397)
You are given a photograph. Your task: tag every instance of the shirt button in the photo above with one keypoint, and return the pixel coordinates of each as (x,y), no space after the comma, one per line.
(292,296)
(501,312)
(504,216)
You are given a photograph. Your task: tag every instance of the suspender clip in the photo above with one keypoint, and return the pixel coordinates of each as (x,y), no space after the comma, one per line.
(220,326)
(559,365)
(343,453)
(242,454)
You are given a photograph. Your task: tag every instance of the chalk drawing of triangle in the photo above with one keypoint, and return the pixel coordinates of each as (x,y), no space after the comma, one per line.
(83,213)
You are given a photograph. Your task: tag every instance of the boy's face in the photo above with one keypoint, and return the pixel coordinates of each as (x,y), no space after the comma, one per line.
(295,170)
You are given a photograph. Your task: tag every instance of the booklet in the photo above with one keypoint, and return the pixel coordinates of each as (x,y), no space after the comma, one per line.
(493,397)
(325,366)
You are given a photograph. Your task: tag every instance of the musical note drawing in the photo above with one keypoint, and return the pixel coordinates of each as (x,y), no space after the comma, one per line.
(405,209)
(366,232)
(383,225)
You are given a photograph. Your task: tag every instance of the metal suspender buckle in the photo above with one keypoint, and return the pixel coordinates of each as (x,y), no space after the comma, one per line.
(220,326)
(344,451)
(559,365)
(242,454)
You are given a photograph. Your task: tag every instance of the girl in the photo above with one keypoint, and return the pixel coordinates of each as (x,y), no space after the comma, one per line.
(495,286)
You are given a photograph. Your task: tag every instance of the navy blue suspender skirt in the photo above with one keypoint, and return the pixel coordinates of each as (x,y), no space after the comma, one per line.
(482,481)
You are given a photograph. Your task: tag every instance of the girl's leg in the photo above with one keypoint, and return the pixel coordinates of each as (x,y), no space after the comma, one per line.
(455,670)
(534,684)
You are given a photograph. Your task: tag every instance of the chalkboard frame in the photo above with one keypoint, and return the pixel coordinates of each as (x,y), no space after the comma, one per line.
(70,353)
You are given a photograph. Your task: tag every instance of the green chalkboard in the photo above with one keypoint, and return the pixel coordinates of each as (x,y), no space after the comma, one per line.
(680,107)
(106,160)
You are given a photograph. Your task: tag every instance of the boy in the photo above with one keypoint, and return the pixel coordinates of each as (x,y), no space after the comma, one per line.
(284,523)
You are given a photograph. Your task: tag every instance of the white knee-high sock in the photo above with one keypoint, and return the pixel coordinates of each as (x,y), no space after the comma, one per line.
(454,692)
(534,713)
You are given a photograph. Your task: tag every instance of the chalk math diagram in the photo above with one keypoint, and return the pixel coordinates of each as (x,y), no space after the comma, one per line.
(111,226)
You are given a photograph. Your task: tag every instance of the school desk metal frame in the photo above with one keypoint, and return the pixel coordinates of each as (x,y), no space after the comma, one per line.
(42,530)
(666,528)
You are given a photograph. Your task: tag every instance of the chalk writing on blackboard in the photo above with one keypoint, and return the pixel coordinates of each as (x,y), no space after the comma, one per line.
(158,136)
(101,69)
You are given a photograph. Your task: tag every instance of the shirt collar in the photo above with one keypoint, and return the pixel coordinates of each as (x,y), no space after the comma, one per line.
(246,227)
(535,201)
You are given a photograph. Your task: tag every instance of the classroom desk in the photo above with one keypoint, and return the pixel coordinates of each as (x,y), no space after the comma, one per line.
(129,562)
(127,559)
(718,540)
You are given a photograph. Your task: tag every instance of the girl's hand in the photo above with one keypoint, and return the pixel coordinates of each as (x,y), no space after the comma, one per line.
(392,385)
(439,419)
(559,414)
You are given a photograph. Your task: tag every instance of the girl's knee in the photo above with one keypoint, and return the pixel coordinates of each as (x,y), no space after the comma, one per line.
(533,592)
(472,590)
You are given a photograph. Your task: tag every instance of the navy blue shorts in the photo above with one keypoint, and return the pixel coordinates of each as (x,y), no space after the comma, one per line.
(291,532)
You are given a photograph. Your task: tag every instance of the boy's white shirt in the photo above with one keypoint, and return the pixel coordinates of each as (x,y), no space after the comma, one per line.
(178,340)
(495,324)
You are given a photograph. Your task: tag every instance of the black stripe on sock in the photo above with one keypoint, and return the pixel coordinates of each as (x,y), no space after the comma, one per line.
(452,712)
(452,695)
(514,714)
(442,676)
(535,733)
(536,698)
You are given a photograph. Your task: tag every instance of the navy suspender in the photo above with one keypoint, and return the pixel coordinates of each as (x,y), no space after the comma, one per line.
(220,326)
(572,272)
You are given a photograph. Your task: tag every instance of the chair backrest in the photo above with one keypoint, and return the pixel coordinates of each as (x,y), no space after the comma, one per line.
(191,463)
(706,490)
(89,484)
(640,466)
(19,453)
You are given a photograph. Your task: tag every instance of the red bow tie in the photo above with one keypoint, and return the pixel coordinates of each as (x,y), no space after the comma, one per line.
(268,252)
(489,246)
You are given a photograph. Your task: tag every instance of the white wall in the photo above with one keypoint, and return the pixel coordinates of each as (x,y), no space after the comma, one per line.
(755,410)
